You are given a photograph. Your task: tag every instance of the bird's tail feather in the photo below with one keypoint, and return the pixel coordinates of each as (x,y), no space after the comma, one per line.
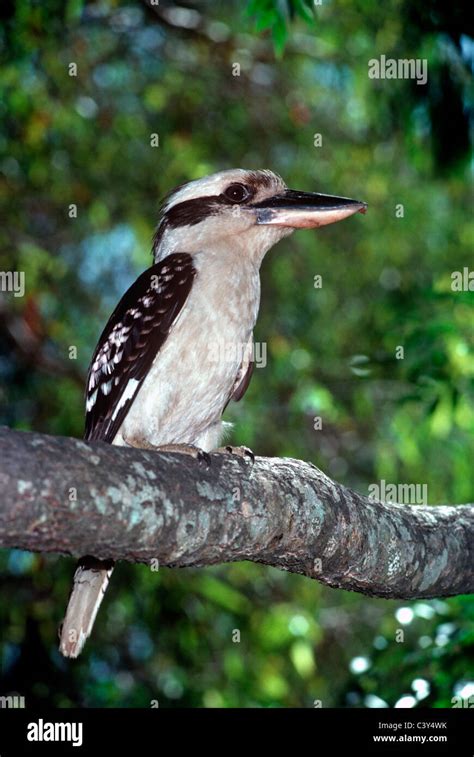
(90,583)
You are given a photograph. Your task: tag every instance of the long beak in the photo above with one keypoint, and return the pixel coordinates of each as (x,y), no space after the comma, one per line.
(305,210)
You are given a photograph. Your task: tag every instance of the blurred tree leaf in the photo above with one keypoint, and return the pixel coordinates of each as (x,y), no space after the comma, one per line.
(276,15)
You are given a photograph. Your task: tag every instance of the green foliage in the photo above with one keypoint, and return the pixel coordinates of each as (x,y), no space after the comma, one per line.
(331,351)
(275,15)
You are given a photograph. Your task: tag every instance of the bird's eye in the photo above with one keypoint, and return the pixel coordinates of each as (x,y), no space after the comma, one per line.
(237,193)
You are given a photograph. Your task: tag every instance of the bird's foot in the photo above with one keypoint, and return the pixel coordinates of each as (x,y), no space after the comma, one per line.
(185,449)
(243,452)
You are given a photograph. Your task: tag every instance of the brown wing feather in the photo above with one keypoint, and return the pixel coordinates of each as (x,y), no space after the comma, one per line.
(134,334)
(242,380)
(242,387)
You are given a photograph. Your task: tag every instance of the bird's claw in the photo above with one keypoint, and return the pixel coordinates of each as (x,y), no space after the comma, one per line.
(203,457)
(243,452)
(199,454)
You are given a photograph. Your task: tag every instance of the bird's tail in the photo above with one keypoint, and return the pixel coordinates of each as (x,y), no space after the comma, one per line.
(90,582)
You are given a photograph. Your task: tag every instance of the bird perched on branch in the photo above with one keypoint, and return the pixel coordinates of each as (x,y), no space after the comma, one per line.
(178,346)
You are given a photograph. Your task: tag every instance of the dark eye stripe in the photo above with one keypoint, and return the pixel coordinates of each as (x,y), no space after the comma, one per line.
(186,213)
(191,212)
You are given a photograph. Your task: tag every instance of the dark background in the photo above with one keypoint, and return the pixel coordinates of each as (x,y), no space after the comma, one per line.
(85,140)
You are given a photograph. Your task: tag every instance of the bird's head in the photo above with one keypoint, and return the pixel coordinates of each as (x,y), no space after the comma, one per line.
(250,210)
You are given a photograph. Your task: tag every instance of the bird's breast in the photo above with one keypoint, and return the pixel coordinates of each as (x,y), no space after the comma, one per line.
(193,374)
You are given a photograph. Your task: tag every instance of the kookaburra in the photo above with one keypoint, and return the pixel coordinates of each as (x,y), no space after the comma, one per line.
(178,346)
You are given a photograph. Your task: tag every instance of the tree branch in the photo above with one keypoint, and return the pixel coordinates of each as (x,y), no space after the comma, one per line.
(63,495)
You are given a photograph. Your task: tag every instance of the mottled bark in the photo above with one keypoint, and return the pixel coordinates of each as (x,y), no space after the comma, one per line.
(63,495)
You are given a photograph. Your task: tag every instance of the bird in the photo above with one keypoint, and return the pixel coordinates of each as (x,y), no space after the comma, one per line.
(179,345)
